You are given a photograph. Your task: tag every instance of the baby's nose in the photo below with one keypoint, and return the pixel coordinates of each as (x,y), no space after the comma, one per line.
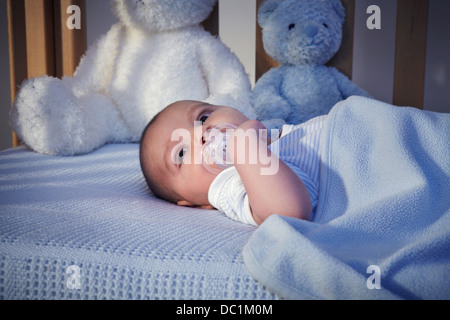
(206,136)
(210,135)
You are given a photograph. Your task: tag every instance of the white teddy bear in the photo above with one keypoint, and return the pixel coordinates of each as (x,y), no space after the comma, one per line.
(157,54)
(302,35)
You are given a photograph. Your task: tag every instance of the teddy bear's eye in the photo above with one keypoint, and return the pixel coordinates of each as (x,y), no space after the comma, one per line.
(325,25)
(291,26)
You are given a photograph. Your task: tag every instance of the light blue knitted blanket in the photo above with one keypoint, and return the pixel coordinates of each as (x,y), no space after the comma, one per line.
(86,228)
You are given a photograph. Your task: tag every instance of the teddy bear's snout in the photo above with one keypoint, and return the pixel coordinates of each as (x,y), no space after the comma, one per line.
(311,30)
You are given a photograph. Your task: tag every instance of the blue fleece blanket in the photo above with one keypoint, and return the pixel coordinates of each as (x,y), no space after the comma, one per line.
(382,227)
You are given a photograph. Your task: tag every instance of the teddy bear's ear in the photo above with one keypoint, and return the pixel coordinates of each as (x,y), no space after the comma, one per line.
(266,9)
(339,8)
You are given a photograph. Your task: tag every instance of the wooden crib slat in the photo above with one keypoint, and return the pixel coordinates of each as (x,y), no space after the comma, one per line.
(70,44)
(17,43)
(17,49)
(410,52)
(39,37)
(343,60)
(263,62)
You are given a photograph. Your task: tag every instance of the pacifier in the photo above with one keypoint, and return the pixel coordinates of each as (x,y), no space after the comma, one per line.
(214,152)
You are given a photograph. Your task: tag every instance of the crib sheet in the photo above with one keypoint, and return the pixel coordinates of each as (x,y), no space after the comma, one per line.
(86,228)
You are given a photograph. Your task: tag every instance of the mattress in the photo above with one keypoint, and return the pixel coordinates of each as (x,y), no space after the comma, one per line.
(86,227)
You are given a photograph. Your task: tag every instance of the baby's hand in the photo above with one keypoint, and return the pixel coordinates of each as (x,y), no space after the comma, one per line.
(246,140)
(252,124)
(251,127)
(271,185)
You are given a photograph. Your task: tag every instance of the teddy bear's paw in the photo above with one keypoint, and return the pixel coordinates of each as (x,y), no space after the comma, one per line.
(48,117)
(246,108)
(273,108)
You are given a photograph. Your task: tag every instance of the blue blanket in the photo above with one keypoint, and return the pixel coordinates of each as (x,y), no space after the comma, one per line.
(382,227)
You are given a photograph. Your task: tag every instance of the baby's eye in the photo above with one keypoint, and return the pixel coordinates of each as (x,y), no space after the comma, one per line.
(204,117)
(180,156)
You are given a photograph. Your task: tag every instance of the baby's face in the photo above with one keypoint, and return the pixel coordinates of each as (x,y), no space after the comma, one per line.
(175,141)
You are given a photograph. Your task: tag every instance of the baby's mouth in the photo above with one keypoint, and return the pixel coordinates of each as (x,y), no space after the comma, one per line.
(214,150)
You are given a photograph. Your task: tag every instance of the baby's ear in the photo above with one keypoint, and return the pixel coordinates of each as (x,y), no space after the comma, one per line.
(208,207)
(266,9)
(184,203)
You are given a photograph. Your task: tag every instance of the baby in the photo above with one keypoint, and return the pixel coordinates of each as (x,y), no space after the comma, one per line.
(253,188)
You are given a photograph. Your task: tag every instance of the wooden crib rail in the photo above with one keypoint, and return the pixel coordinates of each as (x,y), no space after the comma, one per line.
(41,44)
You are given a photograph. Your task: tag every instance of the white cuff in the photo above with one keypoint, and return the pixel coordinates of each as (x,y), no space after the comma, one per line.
(227,194)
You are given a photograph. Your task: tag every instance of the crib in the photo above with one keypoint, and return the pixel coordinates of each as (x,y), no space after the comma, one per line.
(63,48)
(73,229)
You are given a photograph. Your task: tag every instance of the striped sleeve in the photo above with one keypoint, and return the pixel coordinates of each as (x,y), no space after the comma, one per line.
(300,146)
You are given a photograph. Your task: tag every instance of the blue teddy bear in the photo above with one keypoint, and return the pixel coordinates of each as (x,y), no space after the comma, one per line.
(302,35)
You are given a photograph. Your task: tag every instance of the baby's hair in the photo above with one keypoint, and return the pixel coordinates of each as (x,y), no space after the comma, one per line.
(146,129)
(141,153)
(155,187)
